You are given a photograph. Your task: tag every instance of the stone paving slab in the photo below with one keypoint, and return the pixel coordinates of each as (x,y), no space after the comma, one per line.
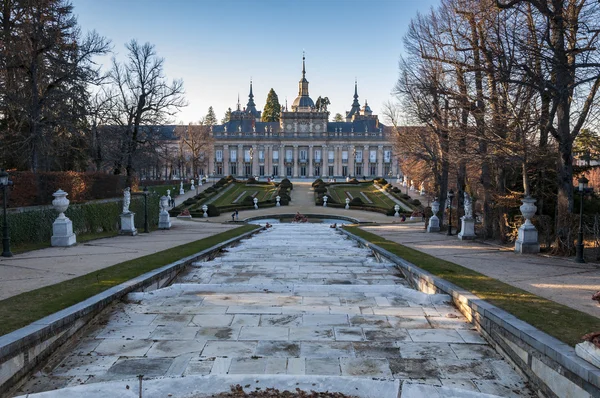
(340,330)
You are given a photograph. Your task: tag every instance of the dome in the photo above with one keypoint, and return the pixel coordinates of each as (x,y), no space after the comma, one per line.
(303,101)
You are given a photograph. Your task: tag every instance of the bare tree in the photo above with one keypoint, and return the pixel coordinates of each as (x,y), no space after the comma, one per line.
(196,141)
(144,98)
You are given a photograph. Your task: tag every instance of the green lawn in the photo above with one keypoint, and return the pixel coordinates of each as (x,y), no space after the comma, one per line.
(25,308)
(557,320)
(377,197)
(265,192)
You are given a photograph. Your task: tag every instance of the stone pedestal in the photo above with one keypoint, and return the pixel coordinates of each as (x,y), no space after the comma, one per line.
(164,220)
(467,229)
(127,224)
(62,232)
(527,242)
(434,224)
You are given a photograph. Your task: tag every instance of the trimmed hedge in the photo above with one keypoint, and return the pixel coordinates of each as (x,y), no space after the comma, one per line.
(36,226)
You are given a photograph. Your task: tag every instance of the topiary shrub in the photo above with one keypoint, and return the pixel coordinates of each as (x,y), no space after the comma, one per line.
(317,182)
(189,201)
(213,211)
(404,196)
(210,190)
(251,180)
(415,202)
(353,181)
(356,201)
(248,201)
(396,190)
(286,184)
(284,201)
(320,189)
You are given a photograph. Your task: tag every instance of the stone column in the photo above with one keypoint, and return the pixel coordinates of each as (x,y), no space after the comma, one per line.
(380,162)
(225,160)
(325,161)
(351,161)
(310,161)
(240,160)
(366,161)
(267,161)
(281,160)
(255,160)
(211,161)
(295,161)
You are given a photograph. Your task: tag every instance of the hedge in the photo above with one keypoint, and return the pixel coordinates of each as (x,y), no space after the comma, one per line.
(36,226)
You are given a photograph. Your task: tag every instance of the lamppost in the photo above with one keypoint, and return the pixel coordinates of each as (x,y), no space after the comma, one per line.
(450,197)
(4,184)
(583,186)
(146,228)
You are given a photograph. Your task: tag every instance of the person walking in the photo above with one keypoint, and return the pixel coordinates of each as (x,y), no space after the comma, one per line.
(233,216)
(236,215)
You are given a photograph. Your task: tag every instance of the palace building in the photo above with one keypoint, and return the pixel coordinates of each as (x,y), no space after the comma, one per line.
(304,143)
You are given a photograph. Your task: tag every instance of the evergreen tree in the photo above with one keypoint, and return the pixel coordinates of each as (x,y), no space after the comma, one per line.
(338,117)
(272,110)
(211,118)
(227,116)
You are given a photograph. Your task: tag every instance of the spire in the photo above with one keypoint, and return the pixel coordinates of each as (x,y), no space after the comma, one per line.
(250,103)
(355,103)
(303,66)
(238,103)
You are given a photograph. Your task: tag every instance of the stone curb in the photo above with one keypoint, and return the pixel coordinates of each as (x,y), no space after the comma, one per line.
(551,365)
(23,349)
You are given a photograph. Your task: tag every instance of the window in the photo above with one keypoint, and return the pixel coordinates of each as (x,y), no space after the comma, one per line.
(288,171)
(288,155)
(373,170)
(233,169)
(317,171)
(248,170)
(358,171)
(275,157)
(373,157)
(387,156)
(344,156)
(344,171)
(331,157)
(330,171)
(219,155)
(233,156)
(303,155)
(261,156)
(359,156)
(302,171)
(275,170)
(318,156)
(246,155)
(261,171)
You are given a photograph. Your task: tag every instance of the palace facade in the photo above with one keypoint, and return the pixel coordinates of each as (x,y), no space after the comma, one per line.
(304,143)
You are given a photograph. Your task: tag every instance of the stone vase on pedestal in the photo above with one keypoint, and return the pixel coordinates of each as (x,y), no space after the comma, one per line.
(396,209)
(164,220)
(467,228)
(62,228)
(181,191)
(347,204)
(434,221)
(527,242)
(278,198)
(325,201)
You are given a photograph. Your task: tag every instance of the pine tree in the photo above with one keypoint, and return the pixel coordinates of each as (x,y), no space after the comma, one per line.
(211,118)
(227,116)
(272,110)
(338,117)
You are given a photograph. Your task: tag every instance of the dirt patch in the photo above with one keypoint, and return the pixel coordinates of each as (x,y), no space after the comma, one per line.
(237,391)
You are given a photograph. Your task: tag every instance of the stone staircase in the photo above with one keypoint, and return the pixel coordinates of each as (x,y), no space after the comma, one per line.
(298,305)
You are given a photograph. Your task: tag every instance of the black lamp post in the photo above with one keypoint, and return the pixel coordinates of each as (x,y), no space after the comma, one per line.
(450,197)
(583,183)
(146,227)
(4,184)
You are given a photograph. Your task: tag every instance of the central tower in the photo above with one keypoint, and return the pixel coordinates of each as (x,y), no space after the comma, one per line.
(303,102)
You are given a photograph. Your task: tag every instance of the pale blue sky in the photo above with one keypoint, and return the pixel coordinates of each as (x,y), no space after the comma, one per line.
(217,46)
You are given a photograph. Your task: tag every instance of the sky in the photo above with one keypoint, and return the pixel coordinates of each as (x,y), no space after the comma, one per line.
(218,46)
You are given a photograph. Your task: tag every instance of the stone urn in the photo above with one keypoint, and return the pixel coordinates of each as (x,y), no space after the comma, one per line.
(325,201)
(347,203)
(205,210)
(397,209)
(278,198)
(60,202)
(192,187)
(255,200)
(528,209)
(434,221)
